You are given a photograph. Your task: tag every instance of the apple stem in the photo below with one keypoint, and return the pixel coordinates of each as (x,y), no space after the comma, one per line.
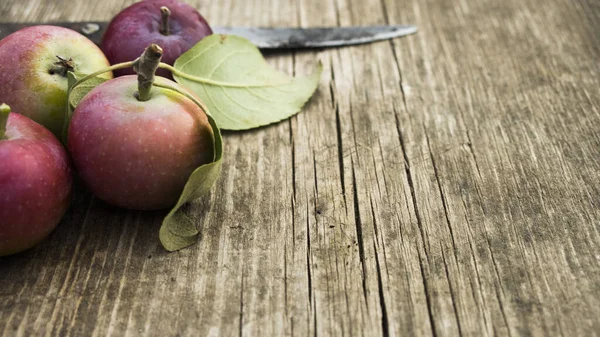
(4,112)
(165,14)
(145,67)
(62,66)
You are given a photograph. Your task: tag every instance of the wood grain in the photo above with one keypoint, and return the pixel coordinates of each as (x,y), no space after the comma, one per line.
(443,184)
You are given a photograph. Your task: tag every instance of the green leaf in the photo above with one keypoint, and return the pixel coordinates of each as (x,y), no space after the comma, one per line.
(240,89)
(82,89)
(179,230)
(76,94)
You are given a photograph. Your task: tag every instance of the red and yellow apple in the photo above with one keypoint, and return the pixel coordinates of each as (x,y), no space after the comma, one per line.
(35,182)
(34,62)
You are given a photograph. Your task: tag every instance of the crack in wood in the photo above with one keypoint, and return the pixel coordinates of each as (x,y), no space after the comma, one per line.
(293,151)
(285,277)
(338,128)
(479,294)
(470,146)
(452,292)
(427,295)
(441,192)
(359,237)
(241,314)
(447,217)
(308,258)
(399,69)
(411,184)
(293,197)
(385,326)
(420,225)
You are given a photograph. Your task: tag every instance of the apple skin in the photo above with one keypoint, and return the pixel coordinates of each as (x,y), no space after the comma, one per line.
(138,155)
(26,57)
(35,181)
(138,26)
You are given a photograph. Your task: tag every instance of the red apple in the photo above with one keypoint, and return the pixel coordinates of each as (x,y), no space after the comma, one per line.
(143,23)
(137,154)
(34,62)
(35,182)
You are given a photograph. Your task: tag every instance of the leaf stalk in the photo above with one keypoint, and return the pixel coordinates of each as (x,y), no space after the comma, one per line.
(203,80)
(83,79)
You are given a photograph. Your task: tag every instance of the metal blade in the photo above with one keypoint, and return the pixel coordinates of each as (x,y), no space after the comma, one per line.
(296,38)
(93,30)
(264,38)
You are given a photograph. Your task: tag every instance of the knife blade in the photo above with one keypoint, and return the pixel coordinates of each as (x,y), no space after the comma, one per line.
(264,38)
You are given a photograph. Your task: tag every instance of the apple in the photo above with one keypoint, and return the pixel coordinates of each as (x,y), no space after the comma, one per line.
(138,154)
(173,25)
(35,182)
(34,62)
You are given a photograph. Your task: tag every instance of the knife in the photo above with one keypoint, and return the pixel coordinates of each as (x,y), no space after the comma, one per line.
(264,38)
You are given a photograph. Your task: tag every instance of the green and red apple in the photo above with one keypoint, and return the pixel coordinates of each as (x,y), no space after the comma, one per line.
(34,62)
(138,154)
(35,182)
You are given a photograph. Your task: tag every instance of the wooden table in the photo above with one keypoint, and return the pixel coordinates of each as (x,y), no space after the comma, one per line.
(442,184)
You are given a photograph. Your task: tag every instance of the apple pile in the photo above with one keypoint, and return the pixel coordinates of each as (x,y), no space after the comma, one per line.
(132,143)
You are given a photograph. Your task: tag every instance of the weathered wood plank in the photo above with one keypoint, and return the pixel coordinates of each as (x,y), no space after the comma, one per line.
(441,184)
(375,180)
(489,90)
